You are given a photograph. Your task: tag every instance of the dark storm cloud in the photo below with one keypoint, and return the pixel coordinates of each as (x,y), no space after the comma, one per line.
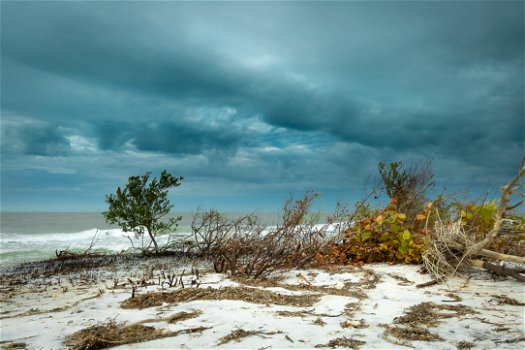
(416,79)
(30,137)
(177,138)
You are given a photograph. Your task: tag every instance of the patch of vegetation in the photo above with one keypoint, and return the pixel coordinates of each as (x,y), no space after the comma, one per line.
(429,313)
(13,345)
(464,345)
(409,186)
(244,247)
(250,295)
(183,316)
(506,300)
(285,313)
(410,333)
(369,281)
(359,324)
(319,322)
(238,334)
(454,296)
(403,281)
(140,206)
(345,292)
(342,342)
(383,236)
(112,334)
(352,308)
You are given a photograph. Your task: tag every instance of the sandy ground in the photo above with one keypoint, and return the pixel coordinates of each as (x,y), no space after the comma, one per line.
(375,307)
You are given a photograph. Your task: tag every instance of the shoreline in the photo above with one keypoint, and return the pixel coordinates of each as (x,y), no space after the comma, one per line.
(376,306)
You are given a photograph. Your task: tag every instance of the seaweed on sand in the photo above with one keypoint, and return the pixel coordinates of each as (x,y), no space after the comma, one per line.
(429,313)
(240,333)
(250,295)
(509,301)
(342,342)
(411,333)
(110,334)
(183,316)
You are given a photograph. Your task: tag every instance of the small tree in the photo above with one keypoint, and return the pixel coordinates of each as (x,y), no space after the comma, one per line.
(407,186)
(140,206)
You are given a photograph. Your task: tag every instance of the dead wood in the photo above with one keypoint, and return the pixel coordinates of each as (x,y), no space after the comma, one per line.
(427,284)
(501,270)
(504,207)
(450,248)
(503,257)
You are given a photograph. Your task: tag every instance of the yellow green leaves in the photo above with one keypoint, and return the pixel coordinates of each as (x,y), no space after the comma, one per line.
(383,236)
(366,235)
(466,215)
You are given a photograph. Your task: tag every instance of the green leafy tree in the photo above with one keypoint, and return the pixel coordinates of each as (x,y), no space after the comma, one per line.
(141,205)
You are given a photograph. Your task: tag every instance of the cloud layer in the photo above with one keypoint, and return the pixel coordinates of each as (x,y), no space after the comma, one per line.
(255,97)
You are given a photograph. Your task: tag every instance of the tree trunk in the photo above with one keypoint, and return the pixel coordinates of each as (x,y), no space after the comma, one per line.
(152,236)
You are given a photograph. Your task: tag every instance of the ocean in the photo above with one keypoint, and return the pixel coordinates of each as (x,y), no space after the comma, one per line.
(36,236)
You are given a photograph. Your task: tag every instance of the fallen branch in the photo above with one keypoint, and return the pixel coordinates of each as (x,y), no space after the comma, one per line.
(504,271)
(506,192)
(450,248)
(500,256)
(427,284)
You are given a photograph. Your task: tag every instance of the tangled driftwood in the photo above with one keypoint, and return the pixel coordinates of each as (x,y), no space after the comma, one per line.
(451,249)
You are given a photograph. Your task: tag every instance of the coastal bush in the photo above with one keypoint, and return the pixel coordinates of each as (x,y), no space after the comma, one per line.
(242,246)
(141,205)
(386,236)
(408,186)
(478,220)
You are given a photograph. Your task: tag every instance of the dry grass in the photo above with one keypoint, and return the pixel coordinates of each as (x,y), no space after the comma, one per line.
(464,345)
(352,308)
(344,292)
(343,342)
(112,334)
(319,322)
(370,279)
(454,297)
(183,316)
(424,314)
(359,324)
(13,346)
(506,300)
(292,313)
(403,281)
(410,333)
(429,314)
(264,281)
(238,334)
(440,259)
(250,295)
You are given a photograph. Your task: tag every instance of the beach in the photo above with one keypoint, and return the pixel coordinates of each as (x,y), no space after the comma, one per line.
(377,306)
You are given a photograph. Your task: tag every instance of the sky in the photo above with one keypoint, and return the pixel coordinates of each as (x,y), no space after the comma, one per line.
(253,101)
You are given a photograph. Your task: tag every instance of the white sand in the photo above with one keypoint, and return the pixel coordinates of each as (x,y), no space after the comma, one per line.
(43,313)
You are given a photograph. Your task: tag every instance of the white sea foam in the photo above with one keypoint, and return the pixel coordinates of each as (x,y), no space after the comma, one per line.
(16,247)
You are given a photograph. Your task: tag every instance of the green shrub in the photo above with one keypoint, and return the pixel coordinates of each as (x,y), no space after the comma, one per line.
(385,237)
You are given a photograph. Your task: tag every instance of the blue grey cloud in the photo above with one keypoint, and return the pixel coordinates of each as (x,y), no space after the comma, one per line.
(258,89)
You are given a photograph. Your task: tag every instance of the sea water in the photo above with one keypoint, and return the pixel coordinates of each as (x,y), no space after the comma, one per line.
(37,236)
